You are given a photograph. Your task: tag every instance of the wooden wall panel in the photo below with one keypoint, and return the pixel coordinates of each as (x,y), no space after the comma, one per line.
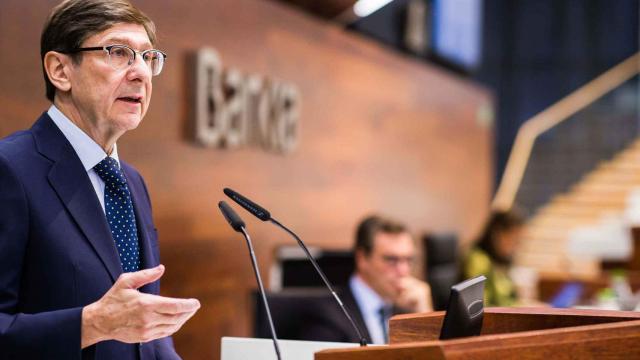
(379,132)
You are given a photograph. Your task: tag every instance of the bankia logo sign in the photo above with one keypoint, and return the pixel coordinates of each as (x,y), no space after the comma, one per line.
(234,110)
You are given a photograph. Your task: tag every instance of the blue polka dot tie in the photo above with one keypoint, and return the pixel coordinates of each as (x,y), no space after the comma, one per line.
(119,210)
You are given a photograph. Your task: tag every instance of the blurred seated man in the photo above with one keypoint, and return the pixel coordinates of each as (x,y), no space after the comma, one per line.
(381,286)
(492,254)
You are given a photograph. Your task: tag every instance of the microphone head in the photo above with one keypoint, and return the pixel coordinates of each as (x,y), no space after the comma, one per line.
(257,210)
(232,218)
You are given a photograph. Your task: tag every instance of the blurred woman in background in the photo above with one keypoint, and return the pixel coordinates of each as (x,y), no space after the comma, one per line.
(492,255)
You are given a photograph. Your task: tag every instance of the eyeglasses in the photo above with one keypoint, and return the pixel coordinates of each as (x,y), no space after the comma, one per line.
(394,261)
(122,56)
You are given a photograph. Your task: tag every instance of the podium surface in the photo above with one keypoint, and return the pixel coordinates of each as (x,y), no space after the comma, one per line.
(510,333)
(236,348)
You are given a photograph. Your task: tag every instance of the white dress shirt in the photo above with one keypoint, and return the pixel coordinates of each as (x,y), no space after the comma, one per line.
(89,152)
(369,303)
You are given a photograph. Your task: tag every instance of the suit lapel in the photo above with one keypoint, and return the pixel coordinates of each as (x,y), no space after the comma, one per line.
(351,304)
(70,181)
(142,213)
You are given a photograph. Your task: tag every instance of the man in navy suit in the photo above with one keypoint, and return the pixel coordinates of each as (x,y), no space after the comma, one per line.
(381,286)
(79,262)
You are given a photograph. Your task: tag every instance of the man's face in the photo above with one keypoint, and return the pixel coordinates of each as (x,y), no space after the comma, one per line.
(388,263)
(110,101)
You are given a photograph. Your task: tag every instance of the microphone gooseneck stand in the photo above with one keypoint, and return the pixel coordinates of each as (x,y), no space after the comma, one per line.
(238,225)
(363,341)
(254,261)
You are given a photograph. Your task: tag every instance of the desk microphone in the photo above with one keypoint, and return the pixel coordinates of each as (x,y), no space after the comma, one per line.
(264,215)
(238,225)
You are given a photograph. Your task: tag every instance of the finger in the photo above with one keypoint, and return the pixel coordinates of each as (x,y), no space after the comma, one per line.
(163,318)
(134,280)
(172,319)
(154,333)
(168,305)
(409,281)
(161,331)
(148,321)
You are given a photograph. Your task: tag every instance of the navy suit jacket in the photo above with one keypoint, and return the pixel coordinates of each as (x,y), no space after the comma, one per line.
(57,253)
(330,324)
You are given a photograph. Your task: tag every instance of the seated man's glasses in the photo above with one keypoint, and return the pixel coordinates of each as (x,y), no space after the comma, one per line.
(122,56)
(394,261)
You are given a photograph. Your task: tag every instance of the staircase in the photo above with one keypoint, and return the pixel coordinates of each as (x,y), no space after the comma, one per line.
(601,194)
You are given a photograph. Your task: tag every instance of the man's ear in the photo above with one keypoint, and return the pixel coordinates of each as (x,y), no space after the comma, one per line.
(359,257)
(57,67)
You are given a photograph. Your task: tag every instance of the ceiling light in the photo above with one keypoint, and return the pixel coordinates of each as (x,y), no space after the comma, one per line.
(364,8)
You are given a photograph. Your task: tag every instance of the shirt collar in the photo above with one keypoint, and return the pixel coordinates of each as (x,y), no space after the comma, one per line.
(368,300)
(89,152)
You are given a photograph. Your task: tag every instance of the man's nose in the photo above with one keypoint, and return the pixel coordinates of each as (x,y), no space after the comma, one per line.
(404,267)
(139,70)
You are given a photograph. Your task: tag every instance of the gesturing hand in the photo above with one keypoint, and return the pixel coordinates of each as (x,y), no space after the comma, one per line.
(127,315)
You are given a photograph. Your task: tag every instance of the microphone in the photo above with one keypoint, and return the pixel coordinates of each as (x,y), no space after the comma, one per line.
(238,225)
(257,210)
(232,218)
(264,215)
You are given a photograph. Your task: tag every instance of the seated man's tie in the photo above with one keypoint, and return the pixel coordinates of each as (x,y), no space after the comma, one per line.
(385,313)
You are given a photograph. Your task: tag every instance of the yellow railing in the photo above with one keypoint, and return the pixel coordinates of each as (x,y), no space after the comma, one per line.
(552,116)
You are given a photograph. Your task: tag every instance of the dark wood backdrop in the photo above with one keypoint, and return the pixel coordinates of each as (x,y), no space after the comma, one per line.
(379,132)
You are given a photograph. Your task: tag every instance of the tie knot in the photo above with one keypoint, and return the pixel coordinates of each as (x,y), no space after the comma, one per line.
(109,172)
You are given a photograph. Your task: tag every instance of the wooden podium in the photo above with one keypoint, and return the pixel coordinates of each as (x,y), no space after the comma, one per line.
(509,333)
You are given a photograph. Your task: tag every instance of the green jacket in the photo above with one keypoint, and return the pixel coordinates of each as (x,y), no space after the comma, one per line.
(498,289)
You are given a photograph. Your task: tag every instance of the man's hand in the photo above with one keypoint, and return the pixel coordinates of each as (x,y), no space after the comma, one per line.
(126,315)
(414,295)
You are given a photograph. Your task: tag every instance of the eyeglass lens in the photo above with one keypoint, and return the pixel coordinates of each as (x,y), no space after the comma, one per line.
(122,56)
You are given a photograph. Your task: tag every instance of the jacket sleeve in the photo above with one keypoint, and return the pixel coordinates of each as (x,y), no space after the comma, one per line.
(51,335)
(164,349)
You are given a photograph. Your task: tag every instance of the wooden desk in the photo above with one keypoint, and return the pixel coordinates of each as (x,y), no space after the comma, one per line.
(510,333)
(548,287)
